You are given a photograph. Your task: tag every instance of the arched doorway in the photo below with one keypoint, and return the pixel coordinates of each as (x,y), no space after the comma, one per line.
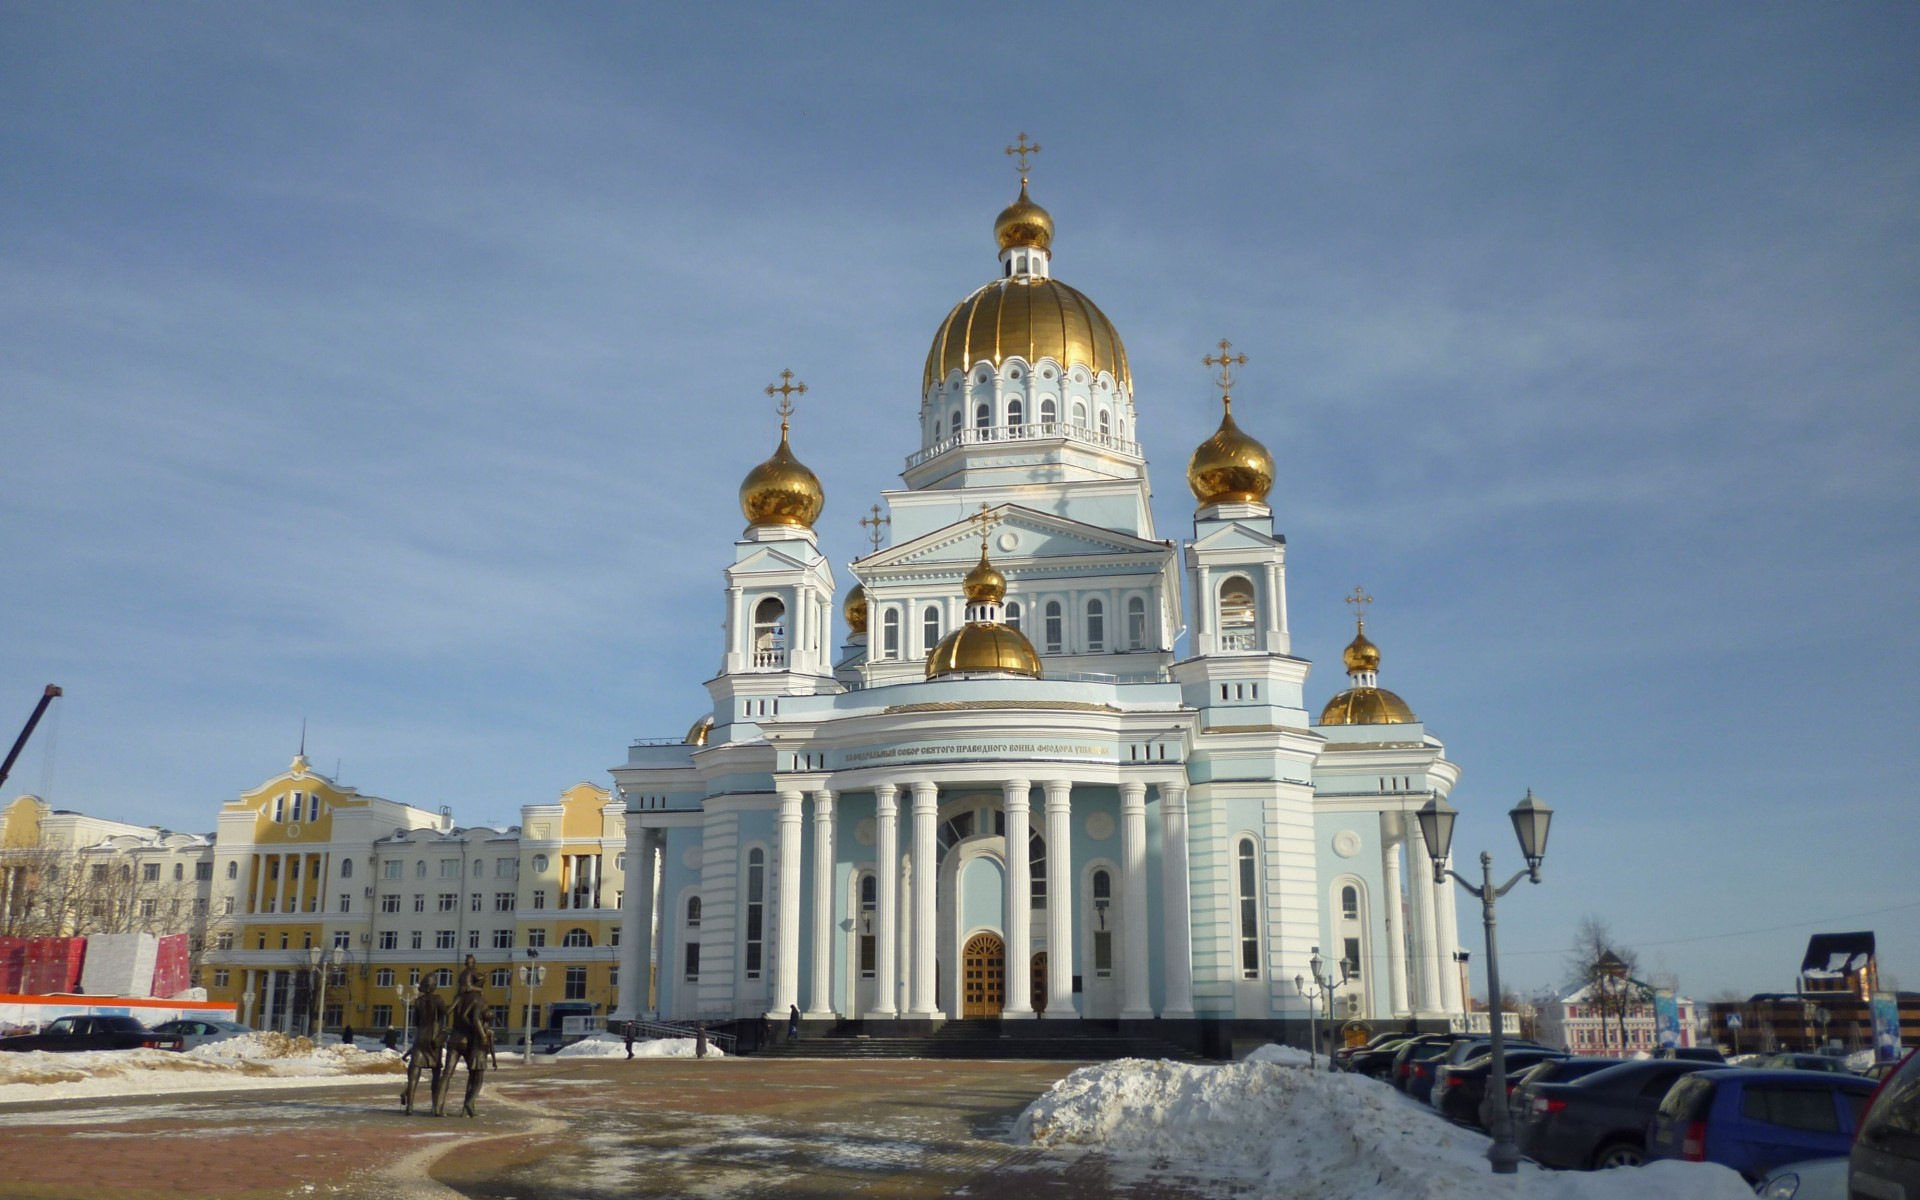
(984,976)
(1038,980)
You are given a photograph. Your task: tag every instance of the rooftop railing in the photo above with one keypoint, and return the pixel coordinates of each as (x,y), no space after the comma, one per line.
(1033,431)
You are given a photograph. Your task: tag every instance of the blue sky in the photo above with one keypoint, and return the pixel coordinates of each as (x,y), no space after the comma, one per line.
(394,366)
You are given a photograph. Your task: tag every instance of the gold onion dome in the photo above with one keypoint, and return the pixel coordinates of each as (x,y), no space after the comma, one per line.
(1230,467)
(855,610)
(1031,318)
(985,584)
(1361,654)
(1023,223)
(782,491)
(1366,704)
(984,646)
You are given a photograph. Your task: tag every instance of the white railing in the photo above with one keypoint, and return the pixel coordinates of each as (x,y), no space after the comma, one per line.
(1243,640)
(1029,432)
(1476,1022)
(769,660)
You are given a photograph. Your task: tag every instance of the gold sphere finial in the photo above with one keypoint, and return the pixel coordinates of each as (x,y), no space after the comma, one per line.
(1229,467)
(781,490)
(855,609)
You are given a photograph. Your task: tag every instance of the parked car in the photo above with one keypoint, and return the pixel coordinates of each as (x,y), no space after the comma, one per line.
(1706,1054)
(1343,1057)
(549,1041)
(1815,1179)
(1599,1120)
(1459,1092)
(93,1033)
(1376,1063)
(1801,1062)
(1403,1057)
(195,1032)
(1754,1121)
(1422,1058)
(1886,1155)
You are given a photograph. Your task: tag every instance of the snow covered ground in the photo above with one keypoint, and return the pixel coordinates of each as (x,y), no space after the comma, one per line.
(1276,1130)
(606,1045)
(252,1061)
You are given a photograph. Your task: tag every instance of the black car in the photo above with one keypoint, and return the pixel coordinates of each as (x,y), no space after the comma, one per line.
(1413,1065)
(1376,1063)
(1343,1057)
(1598,1121)
(1886,1152)
(1552,1070)
(70,1034)
(1802,1062)
(1458,1092)
(1707,1054)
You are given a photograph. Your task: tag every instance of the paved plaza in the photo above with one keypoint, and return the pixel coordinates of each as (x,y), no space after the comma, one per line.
(582,1130)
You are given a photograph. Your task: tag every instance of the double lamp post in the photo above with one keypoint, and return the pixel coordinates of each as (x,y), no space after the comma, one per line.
(1530,820)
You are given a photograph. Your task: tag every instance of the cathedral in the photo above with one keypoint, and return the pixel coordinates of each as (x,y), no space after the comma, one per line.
(1059,768)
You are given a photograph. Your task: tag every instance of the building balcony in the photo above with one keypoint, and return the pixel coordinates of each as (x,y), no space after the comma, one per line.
(1039,431)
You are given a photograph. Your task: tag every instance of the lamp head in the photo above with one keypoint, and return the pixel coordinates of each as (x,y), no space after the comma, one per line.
(1300,984)
(313,956)
(1314,964)
(1436,818)
(1530,821)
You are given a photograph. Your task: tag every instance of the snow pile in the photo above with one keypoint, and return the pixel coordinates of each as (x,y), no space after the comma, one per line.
(1281,1131)
(255,1060)
(605,1045)
(1283,1056)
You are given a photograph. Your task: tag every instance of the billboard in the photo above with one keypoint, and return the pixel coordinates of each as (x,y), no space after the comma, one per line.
(1885,1007)
(1666,1018)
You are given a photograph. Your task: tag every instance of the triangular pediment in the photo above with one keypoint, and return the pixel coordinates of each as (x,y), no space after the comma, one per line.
(1036,536)
(765,560)
(1236,537)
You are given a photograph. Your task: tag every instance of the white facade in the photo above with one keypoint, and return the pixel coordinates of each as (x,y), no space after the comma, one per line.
(1157,827)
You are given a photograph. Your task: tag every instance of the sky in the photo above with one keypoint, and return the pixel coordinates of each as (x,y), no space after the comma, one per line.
(391,369)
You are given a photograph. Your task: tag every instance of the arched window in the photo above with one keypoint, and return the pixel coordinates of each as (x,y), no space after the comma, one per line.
(953,424)
(577,939)
(346,868)
(769,633)
(1248,880)
(1096,625)
(1079,414)
(313,806)
(983,416)
(693,912)
(279,809)
(1136,622)
(1054,633)
(479,868)
(1016,413)
(1013,613)
(233,870)
(539,864)
(890,633)
(1049,410)
(1350,902)
(1106,423)
(1037,867)
(1236,614)
(930,626)
(1102,923)
(756,910)
(869,905)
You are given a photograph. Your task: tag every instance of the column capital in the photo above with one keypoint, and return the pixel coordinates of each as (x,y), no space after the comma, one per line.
(790,799)
(886,798)
(823,803)
(1016,794)
(1173,795)
(926,794)
(1058,791)
(1133,793)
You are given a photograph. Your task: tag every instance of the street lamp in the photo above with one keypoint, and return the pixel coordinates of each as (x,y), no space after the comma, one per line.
(406,992)
(1320,989)
(1530,820)
(313,990)
(532,975)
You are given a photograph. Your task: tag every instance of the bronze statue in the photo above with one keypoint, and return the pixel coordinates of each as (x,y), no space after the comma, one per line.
(468,1039)
(429,1039)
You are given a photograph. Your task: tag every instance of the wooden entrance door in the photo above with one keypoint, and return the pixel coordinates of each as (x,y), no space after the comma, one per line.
(1038,980)
(983,976)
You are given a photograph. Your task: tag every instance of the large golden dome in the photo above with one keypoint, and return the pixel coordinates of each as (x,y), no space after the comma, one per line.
(782,491)
(1031,318)
(1367,706)
(1230,467)
(855,610)
(1023,223)
(984,646)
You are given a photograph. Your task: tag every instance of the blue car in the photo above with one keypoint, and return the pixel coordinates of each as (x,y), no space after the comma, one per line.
(1754,1121)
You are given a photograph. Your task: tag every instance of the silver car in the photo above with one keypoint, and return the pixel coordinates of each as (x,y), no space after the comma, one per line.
(197,1032)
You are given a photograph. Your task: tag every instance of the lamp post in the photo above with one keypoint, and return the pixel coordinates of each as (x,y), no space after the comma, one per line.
(406,992)
(313,991)
(246,1007)
(532,975)
(1320,989)
(1530,820)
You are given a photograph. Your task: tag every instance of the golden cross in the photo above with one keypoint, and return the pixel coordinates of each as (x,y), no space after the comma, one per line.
(787,389)
(1358,603)
(1226,362)
(1022,150)
(984,522)
(873,525)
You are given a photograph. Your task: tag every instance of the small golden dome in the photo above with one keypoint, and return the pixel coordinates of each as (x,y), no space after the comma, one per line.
(1029,318)
(984,646)
(698,731)
(782,491)
(1367,706)
(1023,223)
(1361,654)
(855,610)
(1230,467)
(984,584)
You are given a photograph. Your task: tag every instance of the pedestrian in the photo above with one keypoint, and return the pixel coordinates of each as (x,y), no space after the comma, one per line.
(627,1029)
(392,1040)
(793,1021)
(700,1040)
(346,1035)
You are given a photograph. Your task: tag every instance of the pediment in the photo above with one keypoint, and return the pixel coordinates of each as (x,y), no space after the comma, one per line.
(1236,537)
(1040,536)
(765,560)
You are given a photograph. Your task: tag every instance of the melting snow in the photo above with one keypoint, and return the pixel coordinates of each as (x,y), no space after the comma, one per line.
(254,1060)
(605,1045)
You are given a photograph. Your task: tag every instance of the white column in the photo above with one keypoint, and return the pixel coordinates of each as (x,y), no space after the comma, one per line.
(1175,898)
(926,813)
(1426,960)
(1136,1001)
(636,922)
(797,633)
(1392,835)
(786,916)
(286,883)
(739,642)
(822,1005)
(1060,891)
(1447,946)
(1019,974)
(886,878)
(903,964)
(266,997)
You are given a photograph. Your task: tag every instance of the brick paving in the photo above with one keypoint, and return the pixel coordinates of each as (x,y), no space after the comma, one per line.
(590,1129)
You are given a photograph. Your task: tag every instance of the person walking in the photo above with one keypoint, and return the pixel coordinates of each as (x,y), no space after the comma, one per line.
(793,1021)
(700,1040)
(346,1035)
(627,1029)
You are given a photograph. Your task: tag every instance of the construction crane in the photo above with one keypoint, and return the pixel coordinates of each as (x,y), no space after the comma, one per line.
(20,743)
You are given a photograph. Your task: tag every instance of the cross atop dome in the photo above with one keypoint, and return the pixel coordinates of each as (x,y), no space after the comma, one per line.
(1226,363)
(1021,151)
(787,389)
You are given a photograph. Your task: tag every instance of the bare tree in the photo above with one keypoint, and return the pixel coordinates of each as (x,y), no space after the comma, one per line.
(1605,970)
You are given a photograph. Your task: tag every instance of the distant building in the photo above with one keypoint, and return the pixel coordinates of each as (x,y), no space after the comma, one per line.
(1583,1025)
(1841,962)
(1839,974)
